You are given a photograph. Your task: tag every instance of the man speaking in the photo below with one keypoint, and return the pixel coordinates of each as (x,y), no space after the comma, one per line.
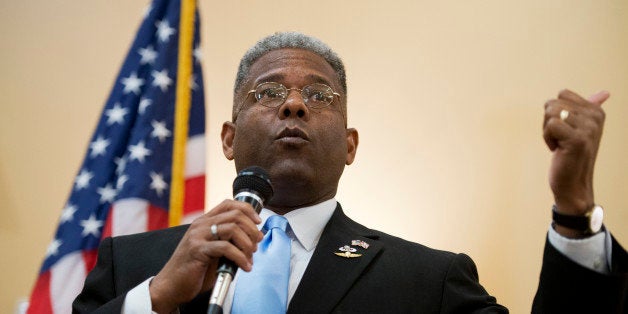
(290,118)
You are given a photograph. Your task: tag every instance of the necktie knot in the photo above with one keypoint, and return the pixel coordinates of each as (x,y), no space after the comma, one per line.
(275,221)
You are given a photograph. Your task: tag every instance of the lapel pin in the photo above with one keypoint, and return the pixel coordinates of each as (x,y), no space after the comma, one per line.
(360,243)
(347,252)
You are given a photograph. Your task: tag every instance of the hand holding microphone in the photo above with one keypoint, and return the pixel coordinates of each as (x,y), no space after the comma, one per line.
(193,266)
(251,186)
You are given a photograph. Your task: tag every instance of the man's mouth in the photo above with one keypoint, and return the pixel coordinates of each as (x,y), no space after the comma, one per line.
(292,136)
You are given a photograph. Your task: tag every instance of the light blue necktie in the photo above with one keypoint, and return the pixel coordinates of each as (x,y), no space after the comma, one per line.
(265,288)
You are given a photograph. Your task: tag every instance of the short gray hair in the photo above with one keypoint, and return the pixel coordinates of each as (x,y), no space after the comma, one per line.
(281,40)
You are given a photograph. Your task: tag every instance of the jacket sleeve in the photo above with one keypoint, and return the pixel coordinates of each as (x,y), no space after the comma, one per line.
(462,292)
(566,287)
(99,294)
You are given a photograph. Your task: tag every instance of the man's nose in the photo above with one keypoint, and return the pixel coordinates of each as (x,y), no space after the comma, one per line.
(294,106)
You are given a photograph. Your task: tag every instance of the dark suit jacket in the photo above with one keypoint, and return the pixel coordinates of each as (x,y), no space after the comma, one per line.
(391,276)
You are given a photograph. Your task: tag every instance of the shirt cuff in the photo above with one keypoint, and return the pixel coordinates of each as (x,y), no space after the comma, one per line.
(137,300)
(592,252)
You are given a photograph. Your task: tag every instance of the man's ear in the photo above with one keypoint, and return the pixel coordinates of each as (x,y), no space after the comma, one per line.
(227,135)
(352,145)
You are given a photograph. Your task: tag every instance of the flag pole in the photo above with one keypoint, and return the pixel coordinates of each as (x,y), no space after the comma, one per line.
(182,111)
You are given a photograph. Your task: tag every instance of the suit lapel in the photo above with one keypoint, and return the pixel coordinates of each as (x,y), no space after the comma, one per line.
(328,276)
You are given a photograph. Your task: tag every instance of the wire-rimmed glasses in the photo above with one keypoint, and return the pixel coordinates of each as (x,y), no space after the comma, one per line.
(273,95)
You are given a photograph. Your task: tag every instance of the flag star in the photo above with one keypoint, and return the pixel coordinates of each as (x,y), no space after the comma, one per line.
(68,213)
(161,79)
(121,165)
(149,55)
(159,130)
(91,226)
(132,84)
(144,103)
(98,146)
(121,181)
(164,30)
(53,247)
(116,114)
(139,151)
(198,54)
(82,180)
(157,183)
(107,193)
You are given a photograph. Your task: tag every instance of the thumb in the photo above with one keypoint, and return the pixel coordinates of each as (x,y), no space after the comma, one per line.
(599,98)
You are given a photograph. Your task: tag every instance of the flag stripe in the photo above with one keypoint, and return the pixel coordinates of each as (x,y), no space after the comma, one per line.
(192,201)
(195,156)
(41,294)
(66,281)
(89,259)
(189,218)
(106,231)
(129,216)
(157,218)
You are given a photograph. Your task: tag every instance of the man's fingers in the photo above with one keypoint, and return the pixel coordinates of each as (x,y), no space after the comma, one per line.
(569,96)
(599,98)
(572,109)
(229,205)
(241,220)
(232,232)
(229,211)
(554,131)
(555,109)
(217,249)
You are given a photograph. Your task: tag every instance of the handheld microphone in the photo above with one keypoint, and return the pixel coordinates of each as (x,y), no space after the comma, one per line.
(252,185)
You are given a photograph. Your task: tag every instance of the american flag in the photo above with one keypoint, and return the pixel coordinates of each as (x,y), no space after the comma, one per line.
(123,185)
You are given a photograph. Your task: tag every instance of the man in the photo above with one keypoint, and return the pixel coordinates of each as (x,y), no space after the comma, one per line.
(290,118)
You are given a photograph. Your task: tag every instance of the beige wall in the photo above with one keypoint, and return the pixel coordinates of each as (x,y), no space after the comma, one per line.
(447,96)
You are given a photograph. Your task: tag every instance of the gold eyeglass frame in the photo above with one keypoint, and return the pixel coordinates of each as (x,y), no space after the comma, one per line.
(241,106)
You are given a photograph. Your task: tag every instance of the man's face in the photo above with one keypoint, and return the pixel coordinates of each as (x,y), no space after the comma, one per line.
(303,149)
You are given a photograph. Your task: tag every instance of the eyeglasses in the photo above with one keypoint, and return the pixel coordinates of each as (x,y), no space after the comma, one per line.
(273,95)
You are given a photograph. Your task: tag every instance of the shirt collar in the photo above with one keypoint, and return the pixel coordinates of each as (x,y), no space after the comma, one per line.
(306,223)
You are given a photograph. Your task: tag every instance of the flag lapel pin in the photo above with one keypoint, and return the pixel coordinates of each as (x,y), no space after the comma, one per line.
(360,243)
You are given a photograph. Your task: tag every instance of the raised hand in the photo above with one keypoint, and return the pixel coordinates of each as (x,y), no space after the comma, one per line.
(572,129)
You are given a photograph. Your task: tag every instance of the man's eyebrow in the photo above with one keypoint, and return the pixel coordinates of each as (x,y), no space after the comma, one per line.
(318,79)
(276,77)
(279,78)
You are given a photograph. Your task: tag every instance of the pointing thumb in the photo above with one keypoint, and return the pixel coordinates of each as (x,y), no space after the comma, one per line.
(599,98)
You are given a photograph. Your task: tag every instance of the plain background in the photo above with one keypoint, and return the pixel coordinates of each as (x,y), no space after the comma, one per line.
(447,96)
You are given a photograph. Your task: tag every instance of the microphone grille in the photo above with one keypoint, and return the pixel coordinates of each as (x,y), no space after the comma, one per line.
(256,179)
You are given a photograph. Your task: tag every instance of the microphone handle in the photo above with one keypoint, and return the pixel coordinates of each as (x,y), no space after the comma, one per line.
(226,268)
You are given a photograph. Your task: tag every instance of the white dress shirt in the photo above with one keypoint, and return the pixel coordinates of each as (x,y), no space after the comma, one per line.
(306,227)
(593,252)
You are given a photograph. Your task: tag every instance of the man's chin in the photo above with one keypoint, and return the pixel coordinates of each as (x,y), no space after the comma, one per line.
(291,174)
